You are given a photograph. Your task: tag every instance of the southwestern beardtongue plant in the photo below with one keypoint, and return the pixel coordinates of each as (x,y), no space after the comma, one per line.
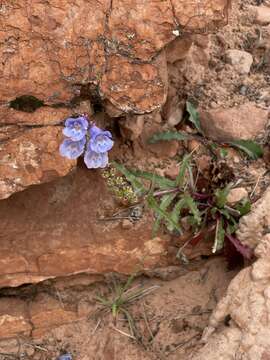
(88,139)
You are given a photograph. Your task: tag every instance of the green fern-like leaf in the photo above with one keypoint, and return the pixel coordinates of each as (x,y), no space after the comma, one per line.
(166,201)
(167,136)
(182,170)
(176,212)
(251,148)
(153,204)
(192,206)
(221,196)
(161,181)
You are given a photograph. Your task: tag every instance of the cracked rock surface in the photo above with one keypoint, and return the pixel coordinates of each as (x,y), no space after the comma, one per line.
(51,49)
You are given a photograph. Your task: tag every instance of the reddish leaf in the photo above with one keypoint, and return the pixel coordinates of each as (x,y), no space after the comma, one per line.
(201,235)
(243,249)
(233,257)
(197,238)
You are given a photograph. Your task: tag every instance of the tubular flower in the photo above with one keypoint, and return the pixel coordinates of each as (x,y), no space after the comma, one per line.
(72,149)
(76,128)
(100,140)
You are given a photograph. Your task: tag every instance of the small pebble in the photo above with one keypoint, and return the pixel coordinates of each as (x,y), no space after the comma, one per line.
(127,224)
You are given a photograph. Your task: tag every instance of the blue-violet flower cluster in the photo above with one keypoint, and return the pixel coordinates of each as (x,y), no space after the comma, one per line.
(86,138)
(65,357)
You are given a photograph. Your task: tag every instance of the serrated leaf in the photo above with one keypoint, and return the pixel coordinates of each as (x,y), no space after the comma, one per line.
(221,196)
(251,148)
(166,201)
(182,170)
(225,213)
(175,214)
(152,203)
(192,206)
(243,207)
(219,236)
(161,181)
(136,184)
(231,228)
(167,136)
(194,116)
(223,153)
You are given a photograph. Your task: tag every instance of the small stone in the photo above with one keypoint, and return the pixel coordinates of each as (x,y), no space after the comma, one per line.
(262,15)
(173,111)
(243,90)
(162,149)
(240,60)
(204,163)
(178,49)
(127,224)
(193,145)
(172,171)
(236,195)
(9,346)
(175,116)
(30,351)
(131,127)
(246,121)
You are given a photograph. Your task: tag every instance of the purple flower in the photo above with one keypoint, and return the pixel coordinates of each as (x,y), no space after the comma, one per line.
(94,160)
(65,357)
(100,141)
(76,128)
(72,149)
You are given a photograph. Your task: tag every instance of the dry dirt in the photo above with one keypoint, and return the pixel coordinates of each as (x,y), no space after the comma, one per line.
(66,317)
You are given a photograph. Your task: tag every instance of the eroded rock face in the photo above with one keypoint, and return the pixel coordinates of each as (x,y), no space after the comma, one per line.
(247,299)
(49,50)
(56,232)
(49,47)
(31,156)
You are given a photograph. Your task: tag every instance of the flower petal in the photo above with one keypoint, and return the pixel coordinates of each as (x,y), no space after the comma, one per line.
(94,131)
(101,143)
(72,149)
(76,128)
(65,357)
(95,160)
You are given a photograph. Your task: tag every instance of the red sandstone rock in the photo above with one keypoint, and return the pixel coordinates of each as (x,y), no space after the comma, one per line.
(246,121)
(30,158)
(13,318)
(56,232)
(50,52)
